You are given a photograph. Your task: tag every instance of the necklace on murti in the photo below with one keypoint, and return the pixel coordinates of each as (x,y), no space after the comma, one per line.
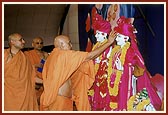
(98,44)
(116,52)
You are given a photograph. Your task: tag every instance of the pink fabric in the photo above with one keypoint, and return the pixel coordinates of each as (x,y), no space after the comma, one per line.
(158,82)
(133,59)
(100,24)
(126,28)
(144,81)
(125,87)
(96,101)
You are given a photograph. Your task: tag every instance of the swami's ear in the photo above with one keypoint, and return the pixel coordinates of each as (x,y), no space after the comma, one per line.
(33,44)
(11,41)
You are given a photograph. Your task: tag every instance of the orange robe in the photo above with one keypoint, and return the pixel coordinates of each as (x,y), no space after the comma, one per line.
(82,80)
(19,92)
(58,68)
(34,59)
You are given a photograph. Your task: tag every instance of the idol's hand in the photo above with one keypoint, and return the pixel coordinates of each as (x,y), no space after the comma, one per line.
(118,64)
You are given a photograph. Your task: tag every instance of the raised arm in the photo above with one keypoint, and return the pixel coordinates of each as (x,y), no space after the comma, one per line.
(95,53)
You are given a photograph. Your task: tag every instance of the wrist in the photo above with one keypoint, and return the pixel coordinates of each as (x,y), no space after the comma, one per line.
(108,43)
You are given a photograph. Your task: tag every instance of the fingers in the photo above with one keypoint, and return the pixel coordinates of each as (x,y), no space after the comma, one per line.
(112,36)
(113,33)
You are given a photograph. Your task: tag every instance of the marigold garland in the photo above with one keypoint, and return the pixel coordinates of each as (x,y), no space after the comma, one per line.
(98,44)
(130,103)
(113,105)
(114,91)
(91,92)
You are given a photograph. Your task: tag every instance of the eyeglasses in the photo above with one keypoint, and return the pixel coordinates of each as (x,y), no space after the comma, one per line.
(39,43)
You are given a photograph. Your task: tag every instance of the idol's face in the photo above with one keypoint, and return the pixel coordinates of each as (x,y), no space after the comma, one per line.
(121,39)
(100,36)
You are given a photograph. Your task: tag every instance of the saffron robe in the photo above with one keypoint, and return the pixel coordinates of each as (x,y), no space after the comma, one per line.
(19,92)
(58,68)
(34,59)
(82,80)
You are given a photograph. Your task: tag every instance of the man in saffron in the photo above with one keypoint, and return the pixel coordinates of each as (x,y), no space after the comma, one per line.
(59,67)
(19,92)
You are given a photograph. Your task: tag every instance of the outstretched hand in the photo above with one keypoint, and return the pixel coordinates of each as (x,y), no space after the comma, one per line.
(112,37)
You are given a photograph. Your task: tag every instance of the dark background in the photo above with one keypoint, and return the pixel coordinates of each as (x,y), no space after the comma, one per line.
(149,22)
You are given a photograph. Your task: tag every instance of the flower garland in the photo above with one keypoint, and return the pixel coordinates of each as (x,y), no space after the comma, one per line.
(139,107)
(139,101)
(114,91)
(98,44)
(113,105)
(130,103)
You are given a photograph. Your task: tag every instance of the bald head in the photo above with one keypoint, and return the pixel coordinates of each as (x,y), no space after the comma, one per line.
(37,43)
(62,42)
(37,38)
(16,41)
(14,36)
